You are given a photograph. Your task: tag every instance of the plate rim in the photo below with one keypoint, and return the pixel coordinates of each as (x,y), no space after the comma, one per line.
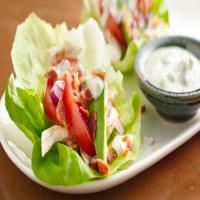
(107,183)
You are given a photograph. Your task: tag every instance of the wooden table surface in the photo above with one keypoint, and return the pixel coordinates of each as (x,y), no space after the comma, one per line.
(175,177)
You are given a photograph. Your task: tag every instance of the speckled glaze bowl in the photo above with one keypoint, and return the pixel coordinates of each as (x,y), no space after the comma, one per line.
(171,105)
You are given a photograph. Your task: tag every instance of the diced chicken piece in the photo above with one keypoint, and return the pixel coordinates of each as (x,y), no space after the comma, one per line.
(52,135)
(95,85)
(121,146)
(113,121)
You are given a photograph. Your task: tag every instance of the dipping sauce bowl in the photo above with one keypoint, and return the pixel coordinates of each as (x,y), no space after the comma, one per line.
(175,106)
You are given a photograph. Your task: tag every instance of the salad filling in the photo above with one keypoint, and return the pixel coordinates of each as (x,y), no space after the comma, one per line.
(69,102)
(125,23)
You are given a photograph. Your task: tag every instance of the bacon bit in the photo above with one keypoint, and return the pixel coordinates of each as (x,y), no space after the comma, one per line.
(86,94)
(75,82)
(111,155)
(93,163)
(73,61)
(144,6)
(62,54)
(85,113)
(58,57)
(102,167)
(82,84)
(70,141)
(92,124)
(128,142)
(60,113)
(99,73)
(143,109)
(84,98)
(51,74)
(99,165)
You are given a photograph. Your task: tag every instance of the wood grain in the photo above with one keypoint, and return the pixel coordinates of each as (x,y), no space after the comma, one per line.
(175,177)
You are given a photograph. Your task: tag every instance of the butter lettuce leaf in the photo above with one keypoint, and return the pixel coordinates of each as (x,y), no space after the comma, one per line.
(159,8)
(127,62)
(61,166)
(29,52)
(130,114)
(99,107)
(25,108)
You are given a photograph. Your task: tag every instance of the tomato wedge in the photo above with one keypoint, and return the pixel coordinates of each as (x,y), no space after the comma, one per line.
(49,107)
(115,30)
(75,121)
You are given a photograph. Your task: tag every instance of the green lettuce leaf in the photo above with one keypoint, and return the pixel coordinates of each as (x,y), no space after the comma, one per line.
(61,166)
(130,114)
(25,109)
(127,63)
(159,9)
(99,107)
(29,52)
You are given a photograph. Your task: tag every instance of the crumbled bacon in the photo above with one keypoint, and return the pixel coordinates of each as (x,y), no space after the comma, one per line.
(60,113)
(85,113)
(102,167)
(70,141)
(51,74)
(143,109)
(92,124)
(62,54)
(93,163)
(86,94)
(58,57)
(111,155)
(99,165)
(101,74)
(144,6)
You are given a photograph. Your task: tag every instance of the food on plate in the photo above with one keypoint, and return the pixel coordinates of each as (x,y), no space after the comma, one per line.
(173,69)
(69,102)
(127,25)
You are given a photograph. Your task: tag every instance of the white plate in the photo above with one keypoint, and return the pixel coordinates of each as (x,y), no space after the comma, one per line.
(168,136)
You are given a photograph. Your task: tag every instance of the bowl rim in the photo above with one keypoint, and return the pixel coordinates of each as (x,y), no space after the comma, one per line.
(155,44)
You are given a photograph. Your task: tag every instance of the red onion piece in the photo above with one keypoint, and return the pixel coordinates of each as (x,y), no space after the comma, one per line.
(57,91)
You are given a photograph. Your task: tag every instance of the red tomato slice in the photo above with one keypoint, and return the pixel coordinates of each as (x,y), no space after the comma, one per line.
(77,125)
(115,30)
(49,107)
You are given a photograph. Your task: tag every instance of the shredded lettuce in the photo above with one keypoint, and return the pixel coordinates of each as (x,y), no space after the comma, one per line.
(63,165)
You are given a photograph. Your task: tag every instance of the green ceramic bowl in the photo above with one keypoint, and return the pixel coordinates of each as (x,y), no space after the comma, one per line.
(171,105)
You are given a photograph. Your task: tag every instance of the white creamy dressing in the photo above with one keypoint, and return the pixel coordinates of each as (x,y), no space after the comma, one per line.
(173,69)
(51,136)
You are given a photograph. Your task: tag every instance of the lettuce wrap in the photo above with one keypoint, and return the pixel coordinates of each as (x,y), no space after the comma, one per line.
(127,25)
(57,160)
